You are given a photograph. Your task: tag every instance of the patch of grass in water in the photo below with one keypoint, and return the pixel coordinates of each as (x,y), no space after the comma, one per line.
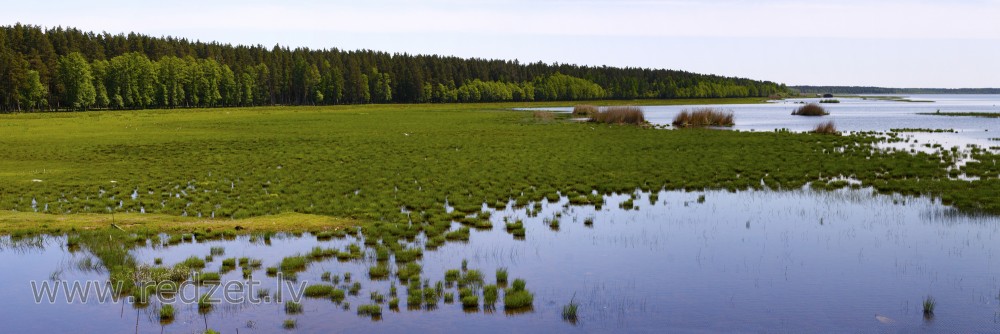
(318,291)
(292,307)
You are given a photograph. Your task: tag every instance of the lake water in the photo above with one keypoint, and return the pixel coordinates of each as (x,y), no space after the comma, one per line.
(865,114)
(802,261)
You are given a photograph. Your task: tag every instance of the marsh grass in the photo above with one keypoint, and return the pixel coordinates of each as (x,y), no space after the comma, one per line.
(470,301)
(337,295)
(827,128)
(207,277)
(166,312)
(702,117)
(379,271)
(811,109)
(569,310)
(318,291)
(619,115)
(490,294)
(370,310)
(928,305)
(217,251)
(501,276)
(292,307)
(289,324)
(204,303)
(517,296)
(193,262)
(294,263)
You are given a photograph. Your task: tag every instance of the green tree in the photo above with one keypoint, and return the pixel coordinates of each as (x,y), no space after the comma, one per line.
(78,84)
(33,92)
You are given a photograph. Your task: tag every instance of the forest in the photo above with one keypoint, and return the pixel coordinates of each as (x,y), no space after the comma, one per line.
(69,69)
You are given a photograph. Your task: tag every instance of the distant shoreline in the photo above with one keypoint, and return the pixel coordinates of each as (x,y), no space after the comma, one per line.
(885,90)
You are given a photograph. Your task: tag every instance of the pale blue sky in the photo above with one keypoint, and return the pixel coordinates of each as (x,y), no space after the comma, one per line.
(896,43)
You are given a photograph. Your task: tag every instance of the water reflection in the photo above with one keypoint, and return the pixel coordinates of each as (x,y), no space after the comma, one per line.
(795,261)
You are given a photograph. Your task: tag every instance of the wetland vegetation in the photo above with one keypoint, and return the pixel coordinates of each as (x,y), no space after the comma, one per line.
(395,181)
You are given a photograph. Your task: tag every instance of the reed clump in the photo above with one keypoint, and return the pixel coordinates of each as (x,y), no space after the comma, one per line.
(811,109)
(702,117)
(619,115)
(826,128)
(584,110)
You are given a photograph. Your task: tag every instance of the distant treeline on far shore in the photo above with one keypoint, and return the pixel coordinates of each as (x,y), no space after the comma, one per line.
(885,90)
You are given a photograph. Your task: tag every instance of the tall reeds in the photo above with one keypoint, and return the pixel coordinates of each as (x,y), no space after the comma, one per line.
(826,128)
(811,109)
(619,115)
(703,117)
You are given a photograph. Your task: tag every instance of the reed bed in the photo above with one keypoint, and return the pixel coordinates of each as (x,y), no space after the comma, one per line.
(702,117)
(619,115)
(811,109)
(826,128)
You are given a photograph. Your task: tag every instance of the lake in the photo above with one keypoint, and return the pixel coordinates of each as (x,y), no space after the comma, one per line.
(791,261)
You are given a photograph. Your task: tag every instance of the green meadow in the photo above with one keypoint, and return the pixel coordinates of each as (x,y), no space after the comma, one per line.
(382,166)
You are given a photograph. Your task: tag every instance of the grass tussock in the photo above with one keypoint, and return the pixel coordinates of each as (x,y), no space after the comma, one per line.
(827,128)
(702,117)
(929,304)
(318,291)
(619,115)
(569,310)
(811,109)
(293,307)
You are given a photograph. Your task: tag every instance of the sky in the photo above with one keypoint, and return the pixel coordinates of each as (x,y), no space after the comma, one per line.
(888,43)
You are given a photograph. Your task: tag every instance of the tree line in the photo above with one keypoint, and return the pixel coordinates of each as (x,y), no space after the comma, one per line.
(68,69)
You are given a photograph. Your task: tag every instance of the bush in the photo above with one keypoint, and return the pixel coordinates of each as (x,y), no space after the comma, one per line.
(703,117)
(619,115)
(811,109)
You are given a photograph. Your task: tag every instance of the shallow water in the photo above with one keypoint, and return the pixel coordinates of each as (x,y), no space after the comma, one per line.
(795,261)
